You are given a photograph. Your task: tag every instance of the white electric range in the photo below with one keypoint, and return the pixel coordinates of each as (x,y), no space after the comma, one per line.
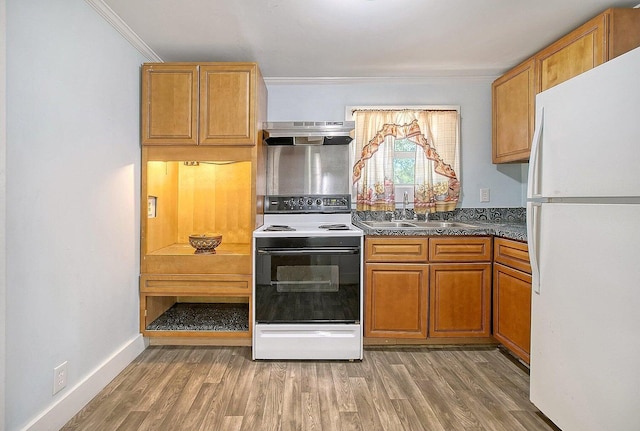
(307,287)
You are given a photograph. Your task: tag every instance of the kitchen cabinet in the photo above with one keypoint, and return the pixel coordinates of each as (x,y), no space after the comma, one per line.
(190,307)
(459,287)
(396,287)
(201,103)
(198,177)
(512,296)
(606,36)
(513,113)
(426,288)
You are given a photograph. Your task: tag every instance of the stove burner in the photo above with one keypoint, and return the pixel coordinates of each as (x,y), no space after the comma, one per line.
(278,227)
(339,226)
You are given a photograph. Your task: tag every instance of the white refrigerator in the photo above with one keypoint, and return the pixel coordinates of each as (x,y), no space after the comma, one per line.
(583,220)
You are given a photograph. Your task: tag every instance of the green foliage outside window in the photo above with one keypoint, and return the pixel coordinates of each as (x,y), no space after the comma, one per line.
(404,161)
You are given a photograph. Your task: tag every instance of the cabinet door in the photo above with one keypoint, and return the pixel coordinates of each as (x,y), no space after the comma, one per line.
(513,113)
(460,300)
(396,300)
(512,309)
(227,105)
(169,104)
(579,51)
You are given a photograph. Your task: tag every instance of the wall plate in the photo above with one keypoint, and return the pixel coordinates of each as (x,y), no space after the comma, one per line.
(152,205)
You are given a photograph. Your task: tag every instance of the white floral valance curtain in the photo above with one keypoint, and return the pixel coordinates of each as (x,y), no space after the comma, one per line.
(435,133)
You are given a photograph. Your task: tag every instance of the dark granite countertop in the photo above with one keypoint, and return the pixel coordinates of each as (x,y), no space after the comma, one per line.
(502,222)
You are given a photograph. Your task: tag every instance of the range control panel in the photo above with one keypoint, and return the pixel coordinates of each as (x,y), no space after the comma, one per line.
(308,204)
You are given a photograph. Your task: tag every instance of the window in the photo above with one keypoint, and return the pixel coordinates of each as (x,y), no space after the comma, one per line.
(406,150)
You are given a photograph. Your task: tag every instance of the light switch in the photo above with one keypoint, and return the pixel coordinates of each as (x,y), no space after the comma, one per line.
(485,195)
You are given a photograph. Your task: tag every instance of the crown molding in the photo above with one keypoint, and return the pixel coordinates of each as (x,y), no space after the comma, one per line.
(350,80)
(121,27)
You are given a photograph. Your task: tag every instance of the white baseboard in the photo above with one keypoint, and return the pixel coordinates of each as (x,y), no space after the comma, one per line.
(54,417)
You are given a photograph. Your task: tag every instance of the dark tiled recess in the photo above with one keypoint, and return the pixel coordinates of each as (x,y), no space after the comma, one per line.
(203,317)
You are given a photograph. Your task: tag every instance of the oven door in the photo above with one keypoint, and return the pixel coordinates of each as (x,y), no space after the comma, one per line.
(307,280)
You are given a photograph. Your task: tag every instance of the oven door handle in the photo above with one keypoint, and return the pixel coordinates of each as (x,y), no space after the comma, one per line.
(302,251)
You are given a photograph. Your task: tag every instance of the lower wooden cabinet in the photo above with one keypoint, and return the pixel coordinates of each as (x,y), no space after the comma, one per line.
(460,286)
(178,309)
(428,287)
(512,296)
(460,300)
(512,309)
(396,300)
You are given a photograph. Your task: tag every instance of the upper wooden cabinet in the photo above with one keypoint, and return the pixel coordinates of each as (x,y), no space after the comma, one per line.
(200,104)
(513,113)
(608,35)
(169,104)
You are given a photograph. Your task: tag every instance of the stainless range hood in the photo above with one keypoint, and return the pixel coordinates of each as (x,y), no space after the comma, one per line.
(308,132)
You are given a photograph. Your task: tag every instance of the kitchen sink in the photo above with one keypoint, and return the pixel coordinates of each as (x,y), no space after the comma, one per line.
(441,224)
(388,224)
(428,224)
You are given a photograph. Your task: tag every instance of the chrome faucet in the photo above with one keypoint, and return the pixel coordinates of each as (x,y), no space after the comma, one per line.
(405,202)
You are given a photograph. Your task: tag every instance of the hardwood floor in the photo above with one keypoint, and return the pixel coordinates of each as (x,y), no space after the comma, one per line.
(221,388)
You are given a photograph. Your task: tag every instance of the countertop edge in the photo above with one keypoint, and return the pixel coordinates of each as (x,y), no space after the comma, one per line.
(515,231)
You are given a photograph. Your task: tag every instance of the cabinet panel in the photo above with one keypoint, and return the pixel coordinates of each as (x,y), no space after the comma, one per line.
(396,250)
(460,249)
(195,285)
(624,31)
(513,113)
(396,300)
(512,253)
(195,306)
(606,36)
(579,51)
(512,309)
(460,300)
(226,108)
(169,104)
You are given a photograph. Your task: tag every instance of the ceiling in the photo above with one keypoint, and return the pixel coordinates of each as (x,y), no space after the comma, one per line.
(357,38)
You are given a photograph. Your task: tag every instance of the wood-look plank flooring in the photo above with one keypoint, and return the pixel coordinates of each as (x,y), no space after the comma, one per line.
(403,388)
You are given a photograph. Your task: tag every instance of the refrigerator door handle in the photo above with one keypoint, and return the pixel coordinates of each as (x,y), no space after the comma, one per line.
(533,239)
(533,186)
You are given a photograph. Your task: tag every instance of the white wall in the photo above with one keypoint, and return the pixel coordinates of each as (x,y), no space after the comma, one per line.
(73,166)
(3,215)
(326,101)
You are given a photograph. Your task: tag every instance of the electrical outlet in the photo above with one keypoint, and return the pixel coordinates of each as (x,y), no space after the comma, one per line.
(485,195)
(59,377)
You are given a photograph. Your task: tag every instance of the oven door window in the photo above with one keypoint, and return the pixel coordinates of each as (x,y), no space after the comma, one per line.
(308,285)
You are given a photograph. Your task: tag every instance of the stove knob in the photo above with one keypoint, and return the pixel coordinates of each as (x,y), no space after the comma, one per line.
(318,202)
(301,201)
(309,202)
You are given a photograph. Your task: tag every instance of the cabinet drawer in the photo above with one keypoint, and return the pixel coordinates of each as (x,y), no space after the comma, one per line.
(194,285)
(396,249)
(459,249)
(511,253)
